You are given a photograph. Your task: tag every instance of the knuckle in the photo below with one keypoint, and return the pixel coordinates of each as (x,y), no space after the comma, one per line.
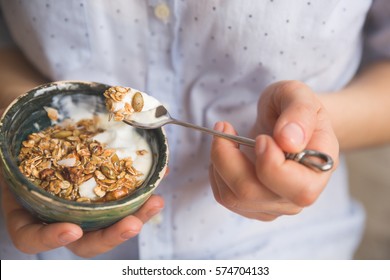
(21,246)
(20,243)
(84,255)
(293,210)
(82,252)
(306,197)
(304,108)
(286,207)
(217,197)
(228,200)
(47,241)
(289,86)
(290,89)
(266,217)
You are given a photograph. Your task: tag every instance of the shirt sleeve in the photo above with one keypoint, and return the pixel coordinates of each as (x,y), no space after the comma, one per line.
(5,37)
(377,32)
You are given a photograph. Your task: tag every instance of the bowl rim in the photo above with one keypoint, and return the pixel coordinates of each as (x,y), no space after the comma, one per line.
(7,162)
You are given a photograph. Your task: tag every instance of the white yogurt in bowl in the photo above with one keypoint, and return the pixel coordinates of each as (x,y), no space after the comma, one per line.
(124,139)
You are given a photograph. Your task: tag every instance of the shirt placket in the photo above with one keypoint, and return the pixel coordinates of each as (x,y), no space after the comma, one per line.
(155,239)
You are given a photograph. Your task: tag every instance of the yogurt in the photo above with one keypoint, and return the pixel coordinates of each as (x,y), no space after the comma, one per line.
(124,139)
(123,102)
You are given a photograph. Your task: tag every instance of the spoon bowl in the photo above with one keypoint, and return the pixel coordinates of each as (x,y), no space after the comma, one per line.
(150,119)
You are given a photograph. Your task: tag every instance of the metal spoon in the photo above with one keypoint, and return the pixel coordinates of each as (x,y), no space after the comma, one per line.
(159,116)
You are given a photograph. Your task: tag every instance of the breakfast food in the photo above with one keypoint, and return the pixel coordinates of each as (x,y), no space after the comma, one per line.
(122,102)
(87,160)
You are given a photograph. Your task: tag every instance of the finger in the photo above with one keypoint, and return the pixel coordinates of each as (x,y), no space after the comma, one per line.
(213,184)
(236,170)
(260,210)
(298,116)
(152,207)
(289,179)
(104,240)
(34,238)
(30,235)
(235,184)
(226,128)
(219,187)
(214,177)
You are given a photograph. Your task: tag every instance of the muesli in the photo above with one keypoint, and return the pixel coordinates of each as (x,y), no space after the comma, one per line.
(66,160)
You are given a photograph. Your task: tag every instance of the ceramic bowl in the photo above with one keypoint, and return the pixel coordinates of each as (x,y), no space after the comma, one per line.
(25,115)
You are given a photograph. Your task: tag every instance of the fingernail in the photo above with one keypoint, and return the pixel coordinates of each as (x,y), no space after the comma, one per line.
(128,234)
(153,212)
(294,133)
(67,237)
(219,126)
(261,145)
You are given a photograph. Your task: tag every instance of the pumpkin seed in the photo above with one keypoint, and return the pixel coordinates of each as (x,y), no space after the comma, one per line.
(137,102)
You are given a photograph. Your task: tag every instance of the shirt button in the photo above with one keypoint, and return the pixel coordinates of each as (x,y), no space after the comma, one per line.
(162,12)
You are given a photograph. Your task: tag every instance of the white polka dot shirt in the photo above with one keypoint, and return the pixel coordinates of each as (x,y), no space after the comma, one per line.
(207,61)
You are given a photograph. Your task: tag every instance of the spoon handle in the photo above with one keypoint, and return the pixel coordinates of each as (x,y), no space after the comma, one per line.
(238,139)
(310,158)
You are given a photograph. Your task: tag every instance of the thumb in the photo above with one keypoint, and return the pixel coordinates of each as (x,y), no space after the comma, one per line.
(298,119)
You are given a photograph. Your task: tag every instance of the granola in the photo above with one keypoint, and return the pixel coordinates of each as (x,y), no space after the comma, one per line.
(123,101)
(65,159)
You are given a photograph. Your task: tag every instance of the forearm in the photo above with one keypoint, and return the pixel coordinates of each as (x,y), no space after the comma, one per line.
(360,112)
(17,75)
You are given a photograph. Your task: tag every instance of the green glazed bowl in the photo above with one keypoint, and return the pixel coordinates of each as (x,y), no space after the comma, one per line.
(25,115)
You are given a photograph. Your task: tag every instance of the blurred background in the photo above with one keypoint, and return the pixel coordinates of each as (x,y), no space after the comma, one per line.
(370,184)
